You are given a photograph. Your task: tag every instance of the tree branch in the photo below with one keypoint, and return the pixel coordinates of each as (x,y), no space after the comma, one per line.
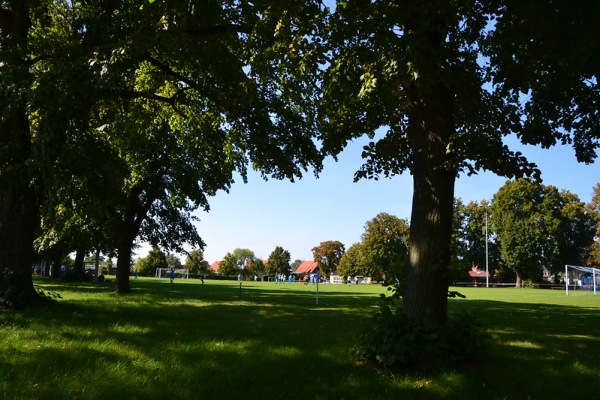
(218,30)
(169,71)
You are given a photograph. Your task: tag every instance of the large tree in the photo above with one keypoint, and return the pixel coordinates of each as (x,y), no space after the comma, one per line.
(177,93)
(328,255)
(351,263)
(384,245)
(472,248)
(593,209)
(446,81)
(228,266)
(156,258)
(279,262)
(539,227)
(195,262)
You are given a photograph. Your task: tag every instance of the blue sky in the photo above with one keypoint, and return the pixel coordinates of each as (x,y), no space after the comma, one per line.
(297,216)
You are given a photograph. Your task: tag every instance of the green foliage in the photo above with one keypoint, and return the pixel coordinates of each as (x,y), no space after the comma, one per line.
(155,259)
(173,261)
(295,264)
(229,265)
(351,263)
(592,209)
(279,262)
(131,116)
(328,254)
(540,226)
(384,247)
(471,222)
(195,262)
(256,267)
(243,257)
(392,340)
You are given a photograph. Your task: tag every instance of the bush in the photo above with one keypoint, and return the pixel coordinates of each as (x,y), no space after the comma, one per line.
(392,340)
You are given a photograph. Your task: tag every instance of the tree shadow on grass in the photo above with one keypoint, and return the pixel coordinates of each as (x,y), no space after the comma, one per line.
(538,351)
(215,348)
(192,341)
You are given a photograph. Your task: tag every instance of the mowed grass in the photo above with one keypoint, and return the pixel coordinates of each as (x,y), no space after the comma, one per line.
(191,341)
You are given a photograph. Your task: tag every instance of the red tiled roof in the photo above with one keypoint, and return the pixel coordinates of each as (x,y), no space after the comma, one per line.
(306,267)
(477,273)
(215,266)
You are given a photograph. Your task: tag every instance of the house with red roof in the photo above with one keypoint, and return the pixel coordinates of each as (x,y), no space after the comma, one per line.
(477,275)
(214,267)
(306,267)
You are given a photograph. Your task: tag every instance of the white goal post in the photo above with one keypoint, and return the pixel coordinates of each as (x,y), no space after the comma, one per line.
(179,273)
(581,278)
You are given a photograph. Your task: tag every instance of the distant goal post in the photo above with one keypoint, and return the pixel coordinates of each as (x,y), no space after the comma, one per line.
(165,273)
(581,278)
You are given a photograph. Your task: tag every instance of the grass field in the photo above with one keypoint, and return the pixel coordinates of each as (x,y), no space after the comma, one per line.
(191,341)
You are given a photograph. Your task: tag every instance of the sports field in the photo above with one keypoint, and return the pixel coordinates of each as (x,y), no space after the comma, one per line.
(191,341)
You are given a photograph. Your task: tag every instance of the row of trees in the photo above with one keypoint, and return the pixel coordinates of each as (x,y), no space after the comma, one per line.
(530,228)
(239,261)
(527,228)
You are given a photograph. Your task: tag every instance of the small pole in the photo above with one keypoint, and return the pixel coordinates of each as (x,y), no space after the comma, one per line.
(487,272)
(318,279)
(567,279)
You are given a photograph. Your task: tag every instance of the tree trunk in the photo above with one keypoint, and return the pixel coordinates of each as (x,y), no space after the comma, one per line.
(17,230)
(78,265)
(18,209)
(55,269)
(431,122)
(134,215)
(123,266)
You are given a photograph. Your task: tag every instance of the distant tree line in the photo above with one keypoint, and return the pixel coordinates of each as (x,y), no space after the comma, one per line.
(530,227)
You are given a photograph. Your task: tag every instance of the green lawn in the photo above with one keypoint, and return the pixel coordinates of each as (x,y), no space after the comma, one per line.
(187,340)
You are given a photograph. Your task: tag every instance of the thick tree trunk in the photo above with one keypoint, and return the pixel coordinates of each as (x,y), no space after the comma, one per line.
(18,211)
(123,267)
(134,215)
(17,230)
(78,265)
(425,290)
(55,269)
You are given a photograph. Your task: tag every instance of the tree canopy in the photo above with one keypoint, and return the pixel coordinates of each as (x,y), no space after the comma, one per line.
(279,262)
(351,263)
(446,81)
(328,255)
(156,258)
(539,227)
(385,246)
(593,209)
(195,262)
(173,97)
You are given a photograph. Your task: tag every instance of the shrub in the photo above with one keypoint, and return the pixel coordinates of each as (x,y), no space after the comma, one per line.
(392,340)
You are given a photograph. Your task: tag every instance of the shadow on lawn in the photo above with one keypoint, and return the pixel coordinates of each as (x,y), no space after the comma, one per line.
(190,342)
(203,341)
(539,351)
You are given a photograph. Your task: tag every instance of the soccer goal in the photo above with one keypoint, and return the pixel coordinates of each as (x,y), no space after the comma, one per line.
(581,278)
(179,273)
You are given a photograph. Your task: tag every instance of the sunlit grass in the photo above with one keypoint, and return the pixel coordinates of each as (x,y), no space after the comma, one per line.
(187,340)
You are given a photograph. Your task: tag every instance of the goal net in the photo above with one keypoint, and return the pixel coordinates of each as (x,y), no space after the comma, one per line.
(165,273)
(578,278)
